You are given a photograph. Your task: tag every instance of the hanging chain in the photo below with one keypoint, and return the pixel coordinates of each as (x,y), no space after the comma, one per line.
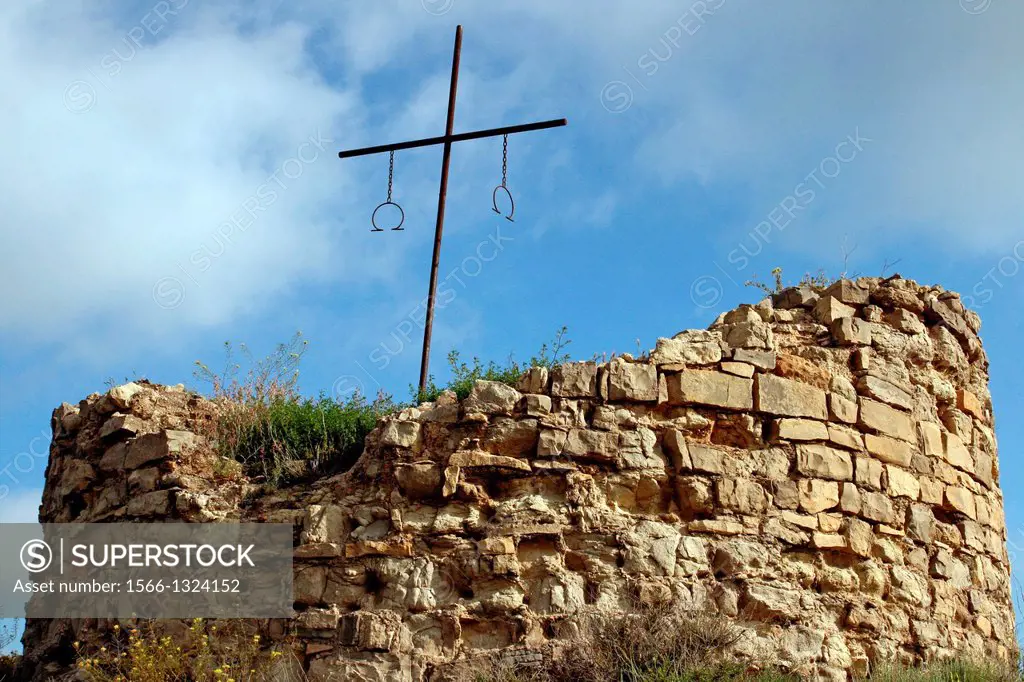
(391,174)
(504,162)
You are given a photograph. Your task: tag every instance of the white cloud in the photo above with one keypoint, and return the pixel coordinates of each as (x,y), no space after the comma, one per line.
(100,206)
(139,182)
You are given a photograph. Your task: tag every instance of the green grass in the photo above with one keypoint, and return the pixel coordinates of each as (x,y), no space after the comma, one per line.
(464,375)
(290,439)
(668,670)
(281,437)
(958,670)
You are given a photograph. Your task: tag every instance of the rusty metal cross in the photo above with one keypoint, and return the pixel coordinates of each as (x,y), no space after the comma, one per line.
(447,140)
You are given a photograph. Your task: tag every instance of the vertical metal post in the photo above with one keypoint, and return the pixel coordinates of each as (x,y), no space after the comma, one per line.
(442,195)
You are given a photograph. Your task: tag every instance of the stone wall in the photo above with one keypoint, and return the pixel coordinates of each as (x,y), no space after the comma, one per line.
(821,467)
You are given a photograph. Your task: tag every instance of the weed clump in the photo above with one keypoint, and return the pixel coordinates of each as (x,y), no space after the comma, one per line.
(205,653)
(280,437)
(464,375)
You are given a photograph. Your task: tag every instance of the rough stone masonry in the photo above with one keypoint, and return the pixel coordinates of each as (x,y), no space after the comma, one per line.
(820,467)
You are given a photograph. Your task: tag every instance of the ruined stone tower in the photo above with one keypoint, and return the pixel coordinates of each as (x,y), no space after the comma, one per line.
(820,466)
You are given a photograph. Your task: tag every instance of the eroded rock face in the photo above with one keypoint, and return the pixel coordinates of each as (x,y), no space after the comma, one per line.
(824,469)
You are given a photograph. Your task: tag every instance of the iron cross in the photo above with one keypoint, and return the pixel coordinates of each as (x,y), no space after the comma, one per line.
(447,140)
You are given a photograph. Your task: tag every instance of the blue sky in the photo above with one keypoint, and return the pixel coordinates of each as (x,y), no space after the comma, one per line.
(172,182)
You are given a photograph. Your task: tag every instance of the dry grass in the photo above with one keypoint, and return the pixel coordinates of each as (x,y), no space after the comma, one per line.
(652,644)
(275,434)
(959,670)
(204,654)
(669,644)
(8,662)
(8,666)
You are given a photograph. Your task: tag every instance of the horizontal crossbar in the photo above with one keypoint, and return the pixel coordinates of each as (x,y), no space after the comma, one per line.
(461,137)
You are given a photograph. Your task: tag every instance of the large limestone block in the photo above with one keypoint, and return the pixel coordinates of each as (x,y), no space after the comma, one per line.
(708,459)
(799,429)
(828,309)
(419,480)
(705,387)
(479,458)
(77,476)
(156,447)
(901,483)
(578,443)
(886,420)
(325,524)
(860,537)
(920,522)
(742,495)
(956,452)
(650,549)
(535,380)
(122,426)
(158,504)
(970,403)
(905,321)
(817,496)
(121,396)
(889,450)
(693,347)
(786,397)
(868,473)
(841,410)
(762,359)
(849,291)
(876,507)
(795,297)
(931,436)
(674,443)
(632,381)
(574,380)
(491,397)
(892,297)
(753,334)
(910,587)
(885,391)
(401,434)
(961,500)
(768,602)
(819,461)
(851,331)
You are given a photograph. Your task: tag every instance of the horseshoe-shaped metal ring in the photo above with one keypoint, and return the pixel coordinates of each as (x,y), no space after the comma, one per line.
(373,218)
(494,201)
